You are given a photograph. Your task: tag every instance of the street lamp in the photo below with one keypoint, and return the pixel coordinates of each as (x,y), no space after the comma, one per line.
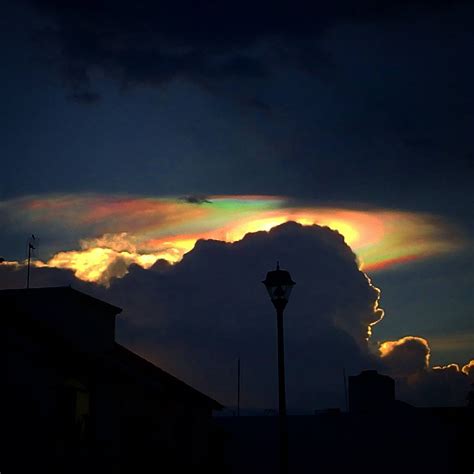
(279,285)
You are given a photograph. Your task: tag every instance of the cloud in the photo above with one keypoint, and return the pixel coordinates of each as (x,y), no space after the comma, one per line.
(439,386)
(468,369)
(194,318)
(408,360)
(406,356)
(154,42)
(14,276)
(199,315)
(100,236)
(196,199)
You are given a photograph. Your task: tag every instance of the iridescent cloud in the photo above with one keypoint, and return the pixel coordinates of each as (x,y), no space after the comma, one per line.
(118,230)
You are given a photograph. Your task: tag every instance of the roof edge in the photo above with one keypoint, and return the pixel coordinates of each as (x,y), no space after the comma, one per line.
(107,306)
(215,405)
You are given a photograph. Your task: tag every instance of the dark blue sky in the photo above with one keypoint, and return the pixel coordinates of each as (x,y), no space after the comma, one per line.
(354,104)
(375,108)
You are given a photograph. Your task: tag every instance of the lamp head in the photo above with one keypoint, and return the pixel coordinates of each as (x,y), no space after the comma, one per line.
(279,285)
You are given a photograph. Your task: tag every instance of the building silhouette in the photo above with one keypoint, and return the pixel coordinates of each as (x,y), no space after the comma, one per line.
(370,391)
(77,401)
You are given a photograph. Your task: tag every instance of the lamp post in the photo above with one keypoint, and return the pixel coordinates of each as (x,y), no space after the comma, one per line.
(279,285)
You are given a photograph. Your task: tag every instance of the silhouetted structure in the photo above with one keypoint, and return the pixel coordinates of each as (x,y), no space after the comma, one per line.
(370,391)
(389,436)
(470,397)
(403,440)
(79,402)
(279,285)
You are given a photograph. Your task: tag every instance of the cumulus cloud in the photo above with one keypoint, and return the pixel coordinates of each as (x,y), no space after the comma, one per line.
(198,316)
(194,318)
(408,360)
(439,386)
(406,356)
(468,369)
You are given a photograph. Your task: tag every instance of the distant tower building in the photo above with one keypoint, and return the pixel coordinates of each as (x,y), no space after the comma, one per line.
(370,391)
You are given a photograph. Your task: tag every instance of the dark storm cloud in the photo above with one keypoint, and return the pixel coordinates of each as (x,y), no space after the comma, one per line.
(196,317)
(154,42)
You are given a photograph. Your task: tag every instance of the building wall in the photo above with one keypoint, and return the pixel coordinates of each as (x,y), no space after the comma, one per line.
(139,425)
(370,391)
(86,327)
(31,397)
(78,411)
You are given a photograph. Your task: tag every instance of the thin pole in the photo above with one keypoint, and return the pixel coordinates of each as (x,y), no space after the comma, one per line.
(282,396)
(28,270)
(238,386)
(345,387)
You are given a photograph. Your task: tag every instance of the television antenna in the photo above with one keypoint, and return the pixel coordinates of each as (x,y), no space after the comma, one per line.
(33,244)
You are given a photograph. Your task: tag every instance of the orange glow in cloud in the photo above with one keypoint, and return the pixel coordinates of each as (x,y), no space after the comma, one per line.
(409,355)
(468,368)
(388,347)
(452,367)
(121,230)
(377,310)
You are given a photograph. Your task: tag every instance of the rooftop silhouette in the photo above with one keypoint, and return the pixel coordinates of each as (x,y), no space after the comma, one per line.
(77,400)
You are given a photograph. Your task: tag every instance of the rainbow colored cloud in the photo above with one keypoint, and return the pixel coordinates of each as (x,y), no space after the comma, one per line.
(140,230)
